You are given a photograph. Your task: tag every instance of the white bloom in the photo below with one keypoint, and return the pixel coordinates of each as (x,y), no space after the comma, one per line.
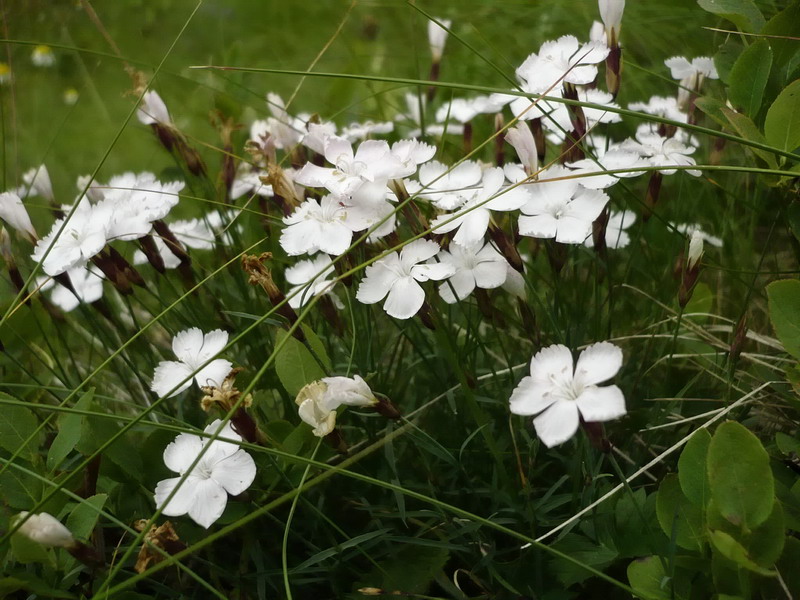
(561,61)
(437,36)
(472,219)
(521,138)
(696,70)
(70,96)
(695,249)
(412,153)
(611,14)
(286,130)
(477,265)
(360,131)
(223,469)
(83,236)
(661,106)
(692,229)
(464,110)
(193,349)
(661,151)
(42,56)
(248,182)
(153,110)
(447,187)
(561,396)
(616,234)
(515,282)
(612,160)
(37,183)
(193,233)
(317,135)
(560,208)
(318,401)
(13,212)
(558,120)
(314,272)
(87,282)
(45,529)
(415,106)
(396,276)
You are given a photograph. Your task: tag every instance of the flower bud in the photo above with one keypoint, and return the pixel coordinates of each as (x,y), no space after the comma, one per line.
(46,530)
(521,138)
(38,182)
(13,212)
(695,250)
(611,15)
(437,36)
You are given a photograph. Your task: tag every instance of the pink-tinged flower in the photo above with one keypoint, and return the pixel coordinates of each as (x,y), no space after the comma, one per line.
(223,469)
(193,349)
(472,218)
(560,208)
(477,265)
(561,396)
(396,277)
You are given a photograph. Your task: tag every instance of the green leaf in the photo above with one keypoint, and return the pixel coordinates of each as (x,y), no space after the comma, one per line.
(295,365)
(713,108)
(726,57)
(763,544)
(69,433)
(734,551)
(785,25)
(787,444)
(83,518)
(701,302)
(648,579)
(782,127)
(692,471)
(17,424)
(410,571)
(27,551)
(317,347)
(784,312)
(749,76)
(29,583)
(745,127)
(584,550)
(742,13)
(740,479)
(679,518)
(20,490)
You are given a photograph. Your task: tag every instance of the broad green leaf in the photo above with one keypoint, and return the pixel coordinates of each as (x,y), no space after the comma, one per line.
(27,551)
(317,347)
(649,580)
(17,425)
(785,25)
(734,551)
(739,476)
(784,312)
(69,433)
(763,544)
(713,108)
(586,551)
(29,583)
(83,518)
(692,470)
(782,127)
(742,13)
(726,57)
(679,518)
(745,127)
(121,455)
(295,365)
(701,302)
(749,76)
(20,490)
(787,444)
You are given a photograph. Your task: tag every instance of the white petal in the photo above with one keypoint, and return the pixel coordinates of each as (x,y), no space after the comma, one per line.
(187,344)
(540,226)
(169,374)
(377,283)
(530,397)
(491,274)
(235,473)
(462,282)
(573,230)
(558,423)
(598,363)
(181,501)
(435,271)
(404,299)
(418,251)
(473,227)
(601,403)
(213,343)
(214,373)
(180,454)
(209,503)
(551,362)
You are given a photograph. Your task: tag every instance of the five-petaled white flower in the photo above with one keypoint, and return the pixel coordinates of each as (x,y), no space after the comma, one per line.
(560,208)
(477,265)
(223,469)
(396,276)
(562,397)
(193,349)
(561,61)
(661,151)
(86,281)
(317,401)
(616,159)
(309,278)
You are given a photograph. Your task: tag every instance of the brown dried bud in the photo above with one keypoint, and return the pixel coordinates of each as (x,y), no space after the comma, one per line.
(163,537)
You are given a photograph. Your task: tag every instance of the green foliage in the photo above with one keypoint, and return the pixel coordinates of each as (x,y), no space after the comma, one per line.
(693,470)
(784,312)
(749,76)
(782,127)
(295,365)
(70,430)
(649,579)
(742,13)
(18,431)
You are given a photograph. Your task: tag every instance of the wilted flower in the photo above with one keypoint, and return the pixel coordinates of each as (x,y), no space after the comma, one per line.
(193,349)
(45,529)
(42,56)
(562,397)
(476,265)
(396,276)
(223,469)
(317,401)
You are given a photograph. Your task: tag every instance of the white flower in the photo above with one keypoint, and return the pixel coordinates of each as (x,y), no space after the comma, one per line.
(87,282)
(612,160)
(562,397)
(317,135)
(396,276)
(37,183)
(415,106)
(695,249)
(695,71)
(448,188)
(611,14)
(561,209)
(83,236)
(464,110)
(661,151)
(477,265)
(360,131)
(314,272)
(561,61)
(45,529)
(193,233)
(692,229)
(42,56)
(13,212)
(223,469)
(317,401)
(153,110)
(616,234)
(558,120)
(412,153)
(521,138)
(437,36)
(248,181)
(70,96)
(193,349)
(285,130)
(472,219)
(661,106)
